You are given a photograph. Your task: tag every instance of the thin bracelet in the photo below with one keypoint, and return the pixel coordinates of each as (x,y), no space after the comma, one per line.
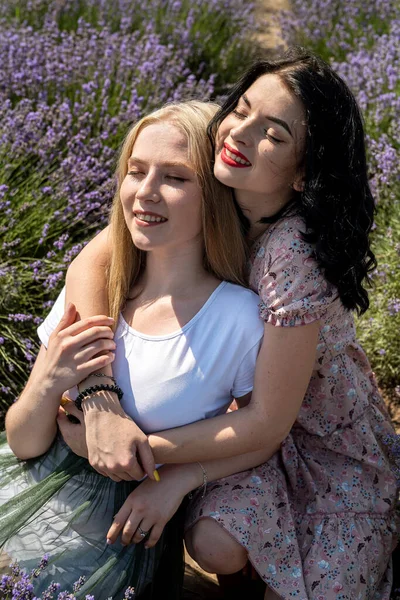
(98,375)
(203,485)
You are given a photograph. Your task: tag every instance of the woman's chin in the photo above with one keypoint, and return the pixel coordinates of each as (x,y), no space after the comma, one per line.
(224,173)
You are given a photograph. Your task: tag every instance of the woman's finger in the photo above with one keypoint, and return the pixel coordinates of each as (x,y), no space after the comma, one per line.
(90,322)
(67,319)
(134,471)
(86,353)
(118,523)
(145,526)
(112,476)
(95,364)
(155,535)
(93,334)
(129,529)
(71,409)
(146,459)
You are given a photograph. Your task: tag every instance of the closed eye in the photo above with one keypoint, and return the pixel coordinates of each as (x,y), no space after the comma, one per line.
(238,114)
(274,139)
(135,173)
(176,178)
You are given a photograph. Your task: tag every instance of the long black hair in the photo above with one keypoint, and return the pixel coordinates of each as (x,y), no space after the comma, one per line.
(336,204)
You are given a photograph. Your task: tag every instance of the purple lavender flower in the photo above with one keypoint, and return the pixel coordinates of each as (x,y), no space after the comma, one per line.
(51,590)
(394,306)
(22,589)
(79,583)
(19,317)
(42,565)
(6,585)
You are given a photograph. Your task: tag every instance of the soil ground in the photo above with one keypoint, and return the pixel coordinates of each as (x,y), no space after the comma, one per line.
(266,11)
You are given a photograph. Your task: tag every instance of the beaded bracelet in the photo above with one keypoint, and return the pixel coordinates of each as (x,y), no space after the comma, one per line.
(97,388)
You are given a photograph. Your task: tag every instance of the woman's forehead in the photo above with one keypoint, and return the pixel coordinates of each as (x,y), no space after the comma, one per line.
(160,137)
(269,94)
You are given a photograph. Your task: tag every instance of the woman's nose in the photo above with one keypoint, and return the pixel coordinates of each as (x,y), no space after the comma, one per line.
(241,133)
(149,189)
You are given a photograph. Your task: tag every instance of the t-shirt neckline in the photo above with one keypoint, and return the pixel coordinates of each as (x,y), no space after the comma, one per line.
(183,329)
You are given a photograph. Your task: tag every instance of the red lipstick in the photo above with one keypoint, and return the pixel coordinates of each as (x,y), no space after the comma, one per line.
(231,161)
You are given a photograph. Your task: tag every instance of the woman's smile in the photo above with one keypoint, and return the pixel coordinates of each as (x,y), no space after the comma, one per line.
(148,219)
(234,158)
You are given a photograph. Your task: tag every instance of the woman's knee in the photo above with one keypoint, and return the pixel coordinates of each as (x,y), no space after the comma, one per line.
(214,549)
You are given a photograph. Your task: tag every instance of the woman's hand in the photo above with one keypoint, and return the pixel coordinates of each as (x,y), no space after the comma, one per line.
(74,434)
(114,441)
(73,348)
(117,447)
(151,505)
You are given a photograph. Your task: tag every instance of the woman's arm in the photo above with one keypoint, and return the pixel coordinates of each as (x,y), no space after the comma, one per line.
(151,505)
(283,371)
(114,441)
(86,280)
(31,421)
(74,435)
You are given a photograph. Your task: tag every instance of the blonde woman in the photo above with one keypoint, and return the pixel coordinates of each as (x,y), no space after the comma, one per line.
(180,353)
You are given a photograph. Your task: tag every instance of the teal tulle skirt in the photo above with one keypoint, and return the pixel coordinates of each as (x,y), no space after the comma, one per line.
(59,505)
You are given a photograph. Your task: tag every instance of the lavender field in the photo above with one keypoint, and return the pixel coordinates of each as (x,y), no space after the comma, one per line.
(362,41)
(74,74)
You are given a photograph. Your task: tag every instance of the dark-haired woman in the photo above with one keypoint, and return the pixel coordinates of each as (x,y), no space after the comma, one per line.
(317,520)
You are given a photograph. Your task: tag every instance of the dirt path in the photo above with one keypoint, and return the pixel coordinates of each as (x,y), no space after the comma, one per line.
(265,11)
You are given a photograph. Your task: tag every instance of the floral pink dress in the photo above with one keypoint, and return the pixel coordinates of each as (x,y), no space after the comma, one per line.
(318,519)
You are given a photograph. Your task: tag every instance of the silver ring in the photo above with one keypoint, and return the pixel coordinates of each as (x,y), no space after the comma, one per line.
(141,532)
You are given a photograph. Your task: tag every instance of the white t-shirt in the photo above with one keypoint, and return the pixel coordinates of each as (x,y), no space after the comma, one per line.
(178,378)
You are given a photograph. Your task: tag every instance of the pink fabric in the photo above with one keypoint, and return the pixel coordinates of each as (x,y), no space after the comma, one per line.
(318,519)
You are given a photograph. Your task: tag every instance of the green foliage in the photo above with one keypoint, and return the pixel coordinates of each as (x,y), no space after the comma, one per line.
(362,42)
(379,328)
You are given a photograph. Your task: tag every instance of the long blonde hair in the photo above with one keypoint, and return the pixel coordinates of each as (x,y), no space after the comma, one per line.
(224,245)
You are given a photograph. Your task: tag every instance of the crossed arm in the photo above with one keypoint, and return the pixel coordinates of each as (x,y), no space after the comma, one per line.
(226,444)
(283,371)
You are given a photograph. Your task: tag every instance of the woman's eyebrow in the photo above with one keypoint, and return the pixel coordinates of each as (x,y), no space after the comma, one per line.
(135,159)
(269,117)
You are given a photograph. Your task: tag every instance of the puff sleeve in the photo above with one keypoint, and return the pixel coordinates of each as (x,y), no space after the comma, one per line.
(292,288)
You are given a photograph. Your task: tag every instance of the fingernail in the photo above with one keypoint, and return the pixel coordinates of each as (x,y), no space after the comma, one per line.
(109,542)
(156,475)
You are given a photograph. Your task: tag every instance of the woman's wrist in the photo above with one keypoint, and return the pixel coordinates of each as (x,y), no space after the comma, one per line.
(101,402)
(187,477)
(162,449)
(45,385)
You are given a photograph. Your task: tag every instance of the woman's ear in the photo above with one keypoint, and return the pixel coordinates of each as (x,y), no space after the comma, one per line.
(298,183)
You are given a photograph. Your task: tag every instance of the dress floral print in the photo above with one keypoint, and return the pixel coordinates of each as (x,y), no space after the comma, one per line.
(318,518)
